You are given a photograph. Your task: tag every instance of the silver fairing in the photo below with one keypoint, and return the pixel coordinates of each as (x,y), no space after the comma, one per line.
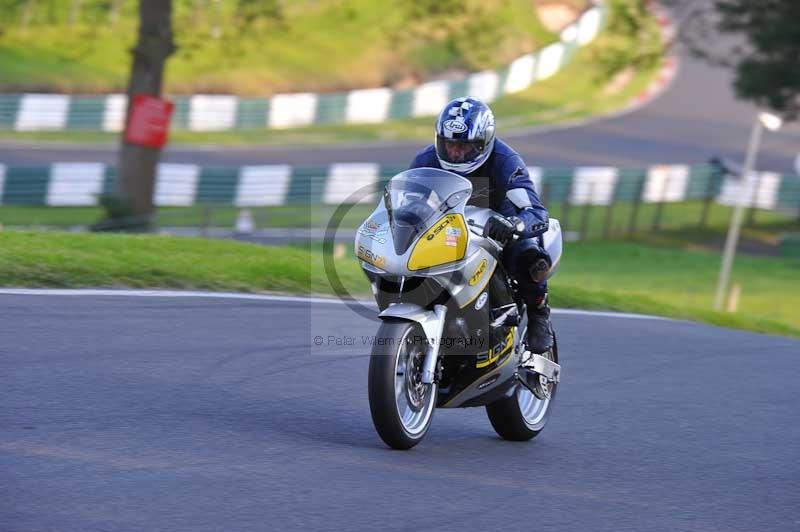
(464,279)
(375,241)
(375,237)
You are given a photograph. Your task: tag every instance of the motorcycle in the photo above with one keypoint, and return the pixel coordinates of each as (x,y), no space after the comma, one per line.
(453,323)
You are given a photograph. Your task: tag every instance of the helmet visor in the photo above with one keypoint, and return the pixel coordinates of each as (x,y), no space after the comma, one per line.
(458,151)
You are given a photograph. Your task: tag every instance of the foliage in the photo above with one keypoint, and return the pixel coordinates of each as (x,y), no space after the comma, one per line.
(423,9)
(48,12)
(762,46)
(576,92)
(260,47)
(249,12)
(767,70)
(635,43)
(468,34)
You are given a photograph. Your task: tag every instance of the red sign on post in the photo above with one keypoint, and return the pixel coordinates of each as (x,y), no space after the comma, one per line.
(148,122)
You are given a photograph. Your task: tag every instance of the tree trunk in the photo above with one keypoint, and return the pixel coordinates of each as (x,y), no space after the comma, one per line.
(137,164)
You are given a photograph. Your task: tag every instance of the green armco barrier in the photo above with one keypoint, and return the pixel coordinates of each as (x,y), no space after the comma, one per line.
(9,105)
(556,184)
(217,185)
(788,192)
(790,245)
(26,185)
(82,184)
(630,185)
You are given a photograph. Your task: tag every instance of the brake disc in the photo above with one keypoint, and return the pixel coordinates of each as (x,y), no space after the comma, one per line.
(415,389)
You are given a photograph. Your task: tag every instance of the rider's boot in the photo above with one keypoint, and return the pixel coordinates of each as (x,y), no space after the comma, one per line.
(540,331)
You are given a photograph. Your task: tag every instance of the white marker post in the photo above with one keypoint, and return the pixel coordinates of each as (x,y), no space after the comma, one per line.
(763,120)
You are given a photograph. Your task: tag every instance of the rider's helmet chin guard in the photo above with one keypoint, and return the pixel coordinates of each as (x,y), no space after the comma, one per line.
(464,135)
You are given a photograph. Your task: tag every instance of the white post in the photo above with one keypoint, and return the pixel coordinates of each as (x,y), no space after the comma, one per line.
(736,219)
(733,299)
(245,224)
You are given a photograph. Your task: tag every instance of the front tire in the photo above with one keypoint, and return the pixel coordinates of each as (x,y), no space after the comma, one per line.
(522,416)
(401,406)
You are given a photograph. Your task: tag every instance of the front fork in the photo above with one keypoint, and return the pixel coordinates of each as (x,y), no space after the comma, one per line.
(432,353)
(432,323)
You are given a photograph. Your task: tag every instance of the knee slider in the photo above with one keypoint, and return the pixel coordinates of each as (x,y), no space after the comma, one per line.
(532,260)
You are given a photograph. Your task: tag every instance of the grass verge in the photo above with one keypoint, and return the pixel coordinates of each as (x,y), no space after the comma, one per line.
(622,276)
(678,222)
(261,47)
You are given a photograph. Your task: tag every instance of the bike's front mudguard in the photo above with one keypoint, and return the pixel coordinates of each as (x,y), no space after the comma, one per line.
(432,323)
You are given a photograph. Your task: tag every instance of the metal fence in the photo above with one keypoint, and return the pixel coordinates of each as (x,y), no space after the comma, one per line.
(572,192)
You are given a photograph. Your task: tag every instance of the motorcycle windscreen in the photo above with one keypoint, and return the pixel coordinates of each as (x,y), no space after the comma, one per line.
(414,199)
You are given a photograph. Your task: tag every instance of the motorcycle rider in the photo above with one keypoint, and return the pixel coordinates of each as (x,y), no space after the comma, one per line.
(465,143)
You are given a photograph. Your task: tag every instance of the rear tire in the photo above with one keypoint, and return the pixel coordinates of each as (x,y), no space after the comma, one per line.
(401,407)
(522,416)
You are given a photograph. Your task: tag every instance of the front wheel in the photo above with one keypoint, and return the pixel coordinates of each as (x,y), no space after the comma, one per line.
(523,416)
(400,404)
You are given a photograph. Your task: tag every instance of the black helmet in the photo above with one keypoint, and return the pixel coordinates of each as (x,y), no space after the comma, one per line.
(464,135)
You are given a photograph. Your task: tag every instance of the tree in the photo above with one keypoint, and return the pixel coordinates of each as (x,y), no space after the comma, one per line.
(248,12)
(137,164)
(628,23)
(763,47)
(767,72)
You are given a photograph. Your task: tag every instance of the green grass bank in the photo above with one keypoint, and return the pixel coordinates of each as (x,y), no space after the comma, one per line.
(602,77)
(621,276)
(681,218)
(267,46)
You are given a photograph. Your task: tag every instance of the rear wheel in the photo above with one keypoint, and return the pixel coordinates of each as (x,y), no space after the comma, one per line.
(523,415)
(400,404)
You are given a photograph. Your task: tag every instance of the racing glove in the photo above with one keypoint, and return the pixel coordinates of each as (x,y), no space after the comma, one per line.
(501,228)
(538,229)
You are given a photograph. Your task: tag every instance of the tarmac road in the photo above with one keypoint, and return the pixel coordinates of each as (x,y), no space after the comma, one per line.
(200,414)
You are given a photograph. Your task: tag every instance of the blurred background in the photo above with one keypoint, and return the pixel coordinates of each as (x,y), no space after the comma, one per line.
(180,147)
(219,155)
(257,120)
